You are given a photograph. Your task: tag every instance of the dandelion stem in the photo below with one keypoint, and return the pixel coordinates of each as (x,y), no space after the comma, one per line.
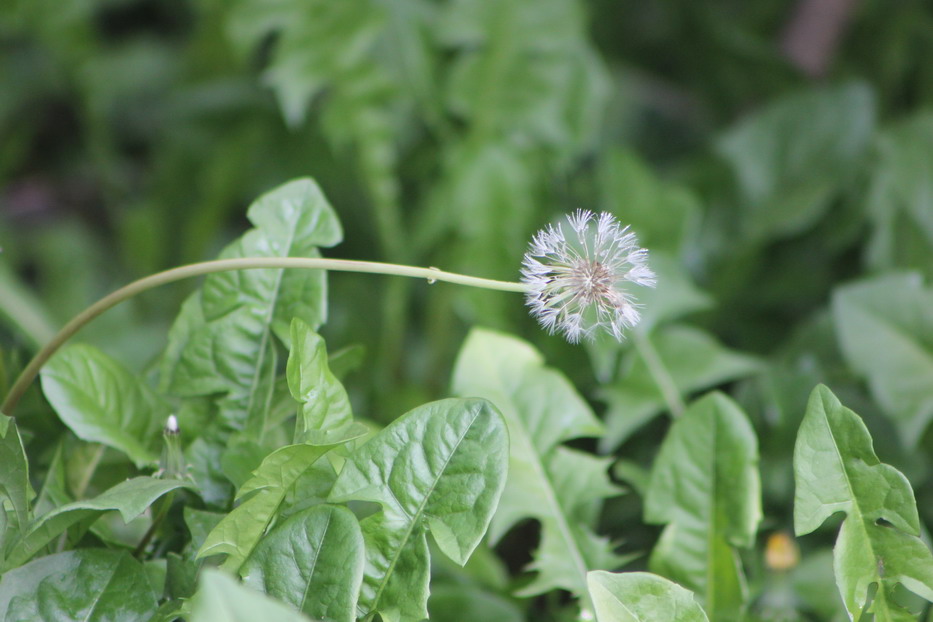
(29,374)
(661,375)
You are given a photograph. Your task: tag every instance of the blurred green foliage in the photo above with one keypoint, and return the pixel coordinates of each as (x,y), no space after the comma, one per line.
(444,133)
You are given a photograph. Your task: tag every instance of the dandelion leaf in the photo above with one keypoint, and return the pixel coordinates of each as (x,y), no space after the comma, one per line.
(560,487)
(705,488)
(836,470)
(440,468)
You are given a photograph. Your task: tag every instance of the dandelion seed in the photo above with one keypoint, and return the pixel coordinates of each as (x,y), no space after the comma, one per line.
(581,281)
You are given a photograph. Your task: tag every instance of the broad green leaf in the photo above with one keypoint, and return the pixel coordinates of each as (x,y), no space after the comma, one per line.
(795,155)
(439,468)
(692,358)
(885,328)
(641,597)
(241,530)
(560,487)
(705,488)
(101,401)
(313,561)
(129,498)
(222,341)
(15,489)
(220,598)
(900,200)
(836,470)
(89,584)
(324,408)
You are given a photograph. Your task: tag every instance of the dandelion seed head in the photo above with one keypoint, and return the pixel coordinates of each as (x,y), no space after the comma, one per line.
(581,280)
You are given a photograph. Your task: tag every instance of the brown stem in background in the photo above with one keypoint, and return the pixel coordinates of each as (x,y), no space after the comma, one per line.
(813,34)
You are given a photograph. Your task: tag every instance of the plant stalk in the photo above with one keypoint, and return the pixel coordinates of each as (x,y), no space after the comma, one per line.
(29,374)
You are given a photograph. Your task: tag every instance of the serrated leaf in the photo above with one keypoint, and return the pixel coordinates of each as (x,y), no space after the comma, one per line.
(705,488)
(313,561)
(222,341)
(238,533)
(794,156)
(129,498)
(641,597)
(836,470)
(885,328)
(221,599)
(89,584)
(439,468)
(15,490)
(102,402)
(324,408)
(693,359)
(561,488)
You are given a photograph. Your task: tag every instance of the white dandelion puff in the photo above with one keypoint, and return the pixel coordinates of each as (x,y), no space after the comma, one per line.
(582,281)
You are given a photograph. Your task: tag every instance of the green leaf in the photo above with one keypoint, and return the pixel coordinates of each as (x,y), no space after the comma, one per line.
(439,468)
(313,561)
(222,341)
(15,489)
(794,156)
(324,409)
(560,487)
(129,498)
(101,401)
(89,584)
(900,200)
(693,359)
(221,599)
(705,488)
(641,597)
(241,530)
(455,603)
(836,470)
(885,328)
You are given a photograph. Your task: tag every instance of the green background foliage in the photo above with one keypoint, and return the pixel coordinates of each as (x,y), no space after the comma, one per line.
(780,383)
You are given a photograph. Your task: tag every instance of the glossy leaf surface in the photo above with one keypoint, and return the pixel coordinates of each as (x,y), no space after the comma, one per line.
(129,498)
(705,488)
(101,401)
(555,485)
(439,468)
(313,561)
(95,585)
(222,341)
(836,470)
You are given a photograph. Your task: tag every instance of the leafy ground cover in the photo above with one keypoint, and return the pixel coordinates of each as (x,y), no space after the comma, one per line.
(300,444)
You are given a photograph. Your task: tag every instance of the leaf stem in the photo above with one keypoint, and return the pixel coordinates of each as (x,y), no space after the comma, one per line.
(661,375)
(29,374)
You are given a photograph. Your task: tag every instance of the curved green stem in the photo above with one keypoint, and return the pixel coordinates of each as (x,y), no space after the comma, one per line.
(226,265)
